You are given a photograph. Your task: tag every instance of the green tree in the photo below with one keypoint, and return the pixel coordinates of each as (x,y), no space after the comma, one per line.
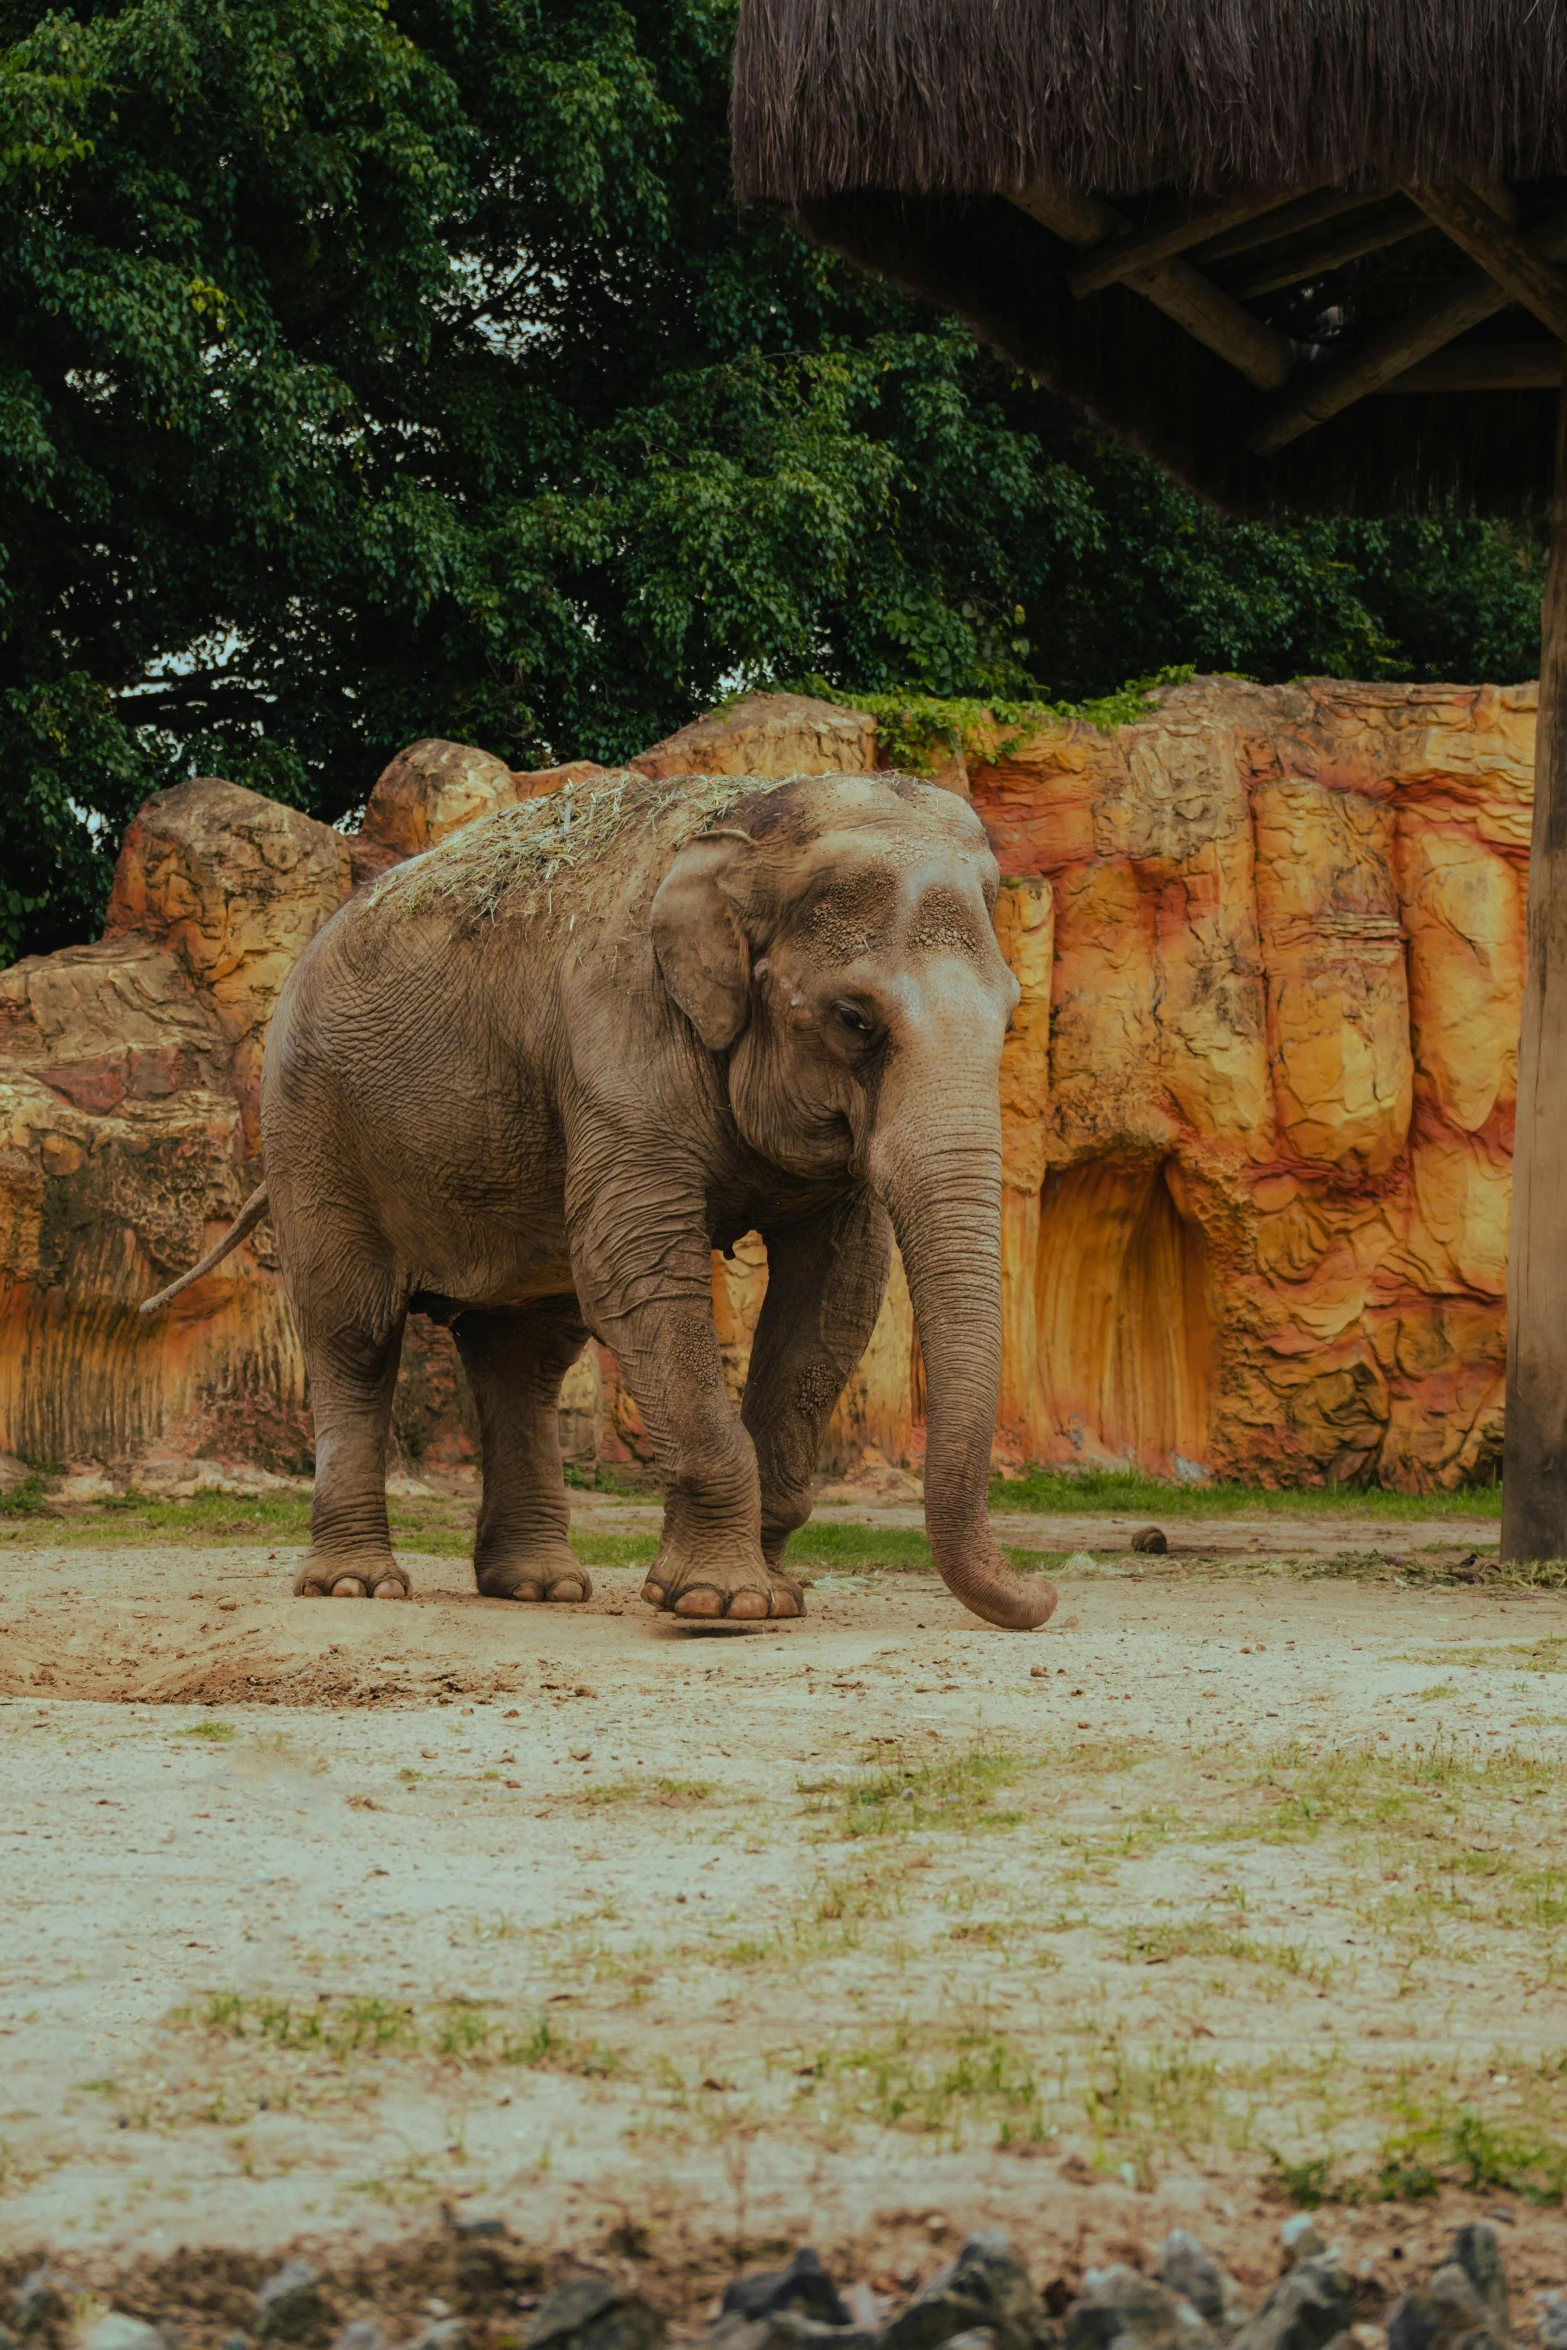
(372,371)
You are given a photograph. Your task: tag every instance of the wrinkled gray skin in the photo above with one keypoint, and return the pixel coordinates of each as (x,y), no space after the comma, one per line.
(539,1126)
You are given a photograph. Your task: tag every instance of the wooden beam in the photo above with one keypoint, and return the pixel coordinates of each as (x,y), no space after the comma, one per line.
(1173,232)
(1470,222)
(1313,256)
(1261,354)
(1483,367)
(1391,348)
(1306,212)
(1076,218)
(1499,196)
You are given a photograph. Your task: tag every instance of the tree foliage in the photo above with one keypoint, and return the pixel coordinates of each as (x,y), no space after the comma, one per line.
(370,371)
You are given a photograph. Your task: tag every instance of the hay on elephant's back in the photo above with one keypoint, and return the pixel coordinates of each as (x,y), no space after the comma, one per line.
(515,860)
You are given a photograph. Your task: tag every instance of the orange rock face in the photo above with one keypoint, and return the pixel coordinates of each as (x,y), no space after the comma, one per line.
(1272,1234)
(1257,1102)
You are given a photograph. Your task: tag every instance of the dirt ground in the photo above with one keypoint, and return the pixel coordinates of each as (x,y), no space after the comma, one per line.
(1241,1885)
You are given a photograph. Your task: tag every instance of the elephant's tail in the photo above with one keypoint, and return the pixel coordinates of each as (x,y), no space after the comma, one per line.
(245,1222)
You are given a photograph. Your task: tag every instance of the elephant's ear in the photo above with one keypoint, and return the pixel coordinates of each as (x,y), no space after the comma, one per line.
(700,946)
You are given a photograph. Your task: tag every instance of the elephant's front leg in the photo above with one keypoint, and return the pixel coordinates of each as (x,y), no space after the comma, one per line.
(825,1282)
(650,1297)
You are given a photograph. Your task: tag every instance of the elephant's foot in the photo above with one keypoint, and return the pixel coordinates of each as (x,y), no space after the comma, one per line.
(352,1577)
(544,1571)
(742,1589)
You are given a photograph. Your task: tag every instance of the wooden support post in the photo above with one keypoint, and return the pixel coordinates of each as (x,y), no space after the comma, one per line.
(1534,1481)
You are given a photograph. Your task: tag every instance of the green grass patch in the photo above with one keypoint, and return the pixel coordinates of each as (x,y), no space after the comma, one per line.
(868,1550)
(1059,1490)
(826,1549)
(673,1794)
(278,1520)
(343,2030)
(1306,1791)
(217,1733)
(1517,1656)
(439,1526)
(1435,2146)
(896,1798)
(917,730)
(950,2088)
(1200,1938)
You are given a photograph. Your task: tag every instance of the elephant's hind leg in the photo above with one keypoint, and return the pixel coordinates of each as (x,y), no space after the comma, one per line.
(352,1375)
(515,1360)
(825,1282)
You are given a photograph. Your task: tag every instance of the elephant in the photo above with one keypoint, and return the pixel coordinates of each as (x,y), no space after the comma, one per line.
(531,1079)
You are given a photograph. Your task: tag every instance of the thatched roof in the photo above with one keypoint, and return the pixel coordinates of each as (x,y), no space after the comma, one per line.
(1274,203)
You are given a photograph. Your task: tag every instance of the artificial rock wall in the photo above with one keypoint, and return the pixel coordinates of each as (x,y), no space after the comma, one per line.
(1257,1104)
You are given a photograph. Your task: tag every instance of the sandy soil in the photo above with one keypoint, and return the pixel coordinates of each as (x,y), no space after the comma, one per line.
(315,1917)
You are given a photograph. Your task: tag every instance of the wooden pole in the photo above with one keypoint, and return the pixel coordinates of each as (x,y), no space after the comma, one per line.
(1534,1482)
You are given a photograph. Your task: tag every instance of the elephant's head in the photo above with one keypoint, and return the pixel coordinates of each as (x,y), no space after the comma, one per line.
(833,938)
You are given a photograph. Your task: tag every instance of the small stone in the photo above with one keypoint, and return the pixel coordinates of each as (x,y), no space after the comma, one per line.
(1553,2321)
(1119,2306)
(236,2342)
(448,2333)
(1151,1540)
(591,2313)
(1305,2309)
(804,2285)
(363,2334)
(1300,2239)
(1478,2252)
(1187,2267)
(787,2329)
(288,2305)
(115,2331)
(986,2289)
(42,2298)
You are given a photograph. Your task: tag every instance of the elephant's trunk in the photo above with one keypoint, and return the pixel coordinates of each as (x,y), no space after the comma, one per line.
(937,1170)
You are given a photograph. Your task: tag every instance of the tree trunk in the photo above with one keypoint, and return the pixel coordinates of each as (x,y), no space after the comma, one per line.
(1534,1487)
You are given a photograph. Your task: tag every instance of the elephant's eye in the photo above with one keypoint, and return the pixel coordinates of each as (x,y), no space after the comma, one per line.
(853,1020)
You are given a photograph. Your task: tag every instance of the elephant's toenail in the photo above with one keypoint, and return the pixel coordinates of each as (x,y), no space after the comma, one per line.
(390,1589)
(700,1602)
(748,1604)
(348,1587)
